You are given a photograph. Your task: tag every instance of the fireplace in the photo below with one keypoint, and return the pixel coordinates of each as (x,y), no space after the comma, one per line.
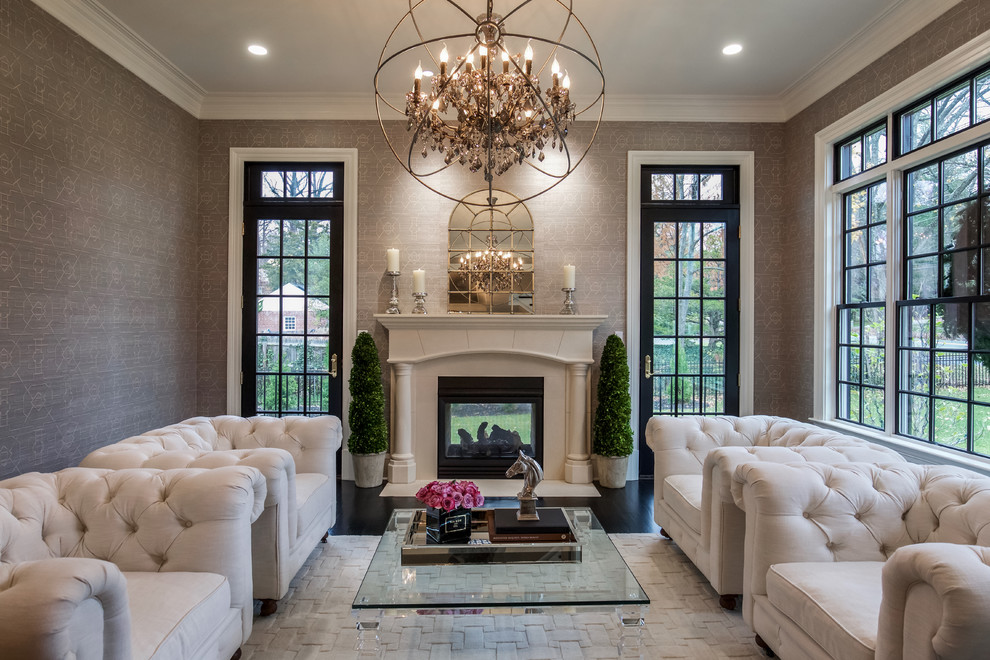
(483,423)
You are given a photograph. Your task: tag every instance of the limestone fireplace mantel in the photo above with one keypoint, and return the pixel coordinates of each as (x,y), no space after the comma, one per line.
(422,348)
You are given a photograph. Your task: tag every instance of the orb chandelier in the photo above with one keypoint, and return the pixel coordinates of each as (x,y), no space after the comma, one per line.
(477,100)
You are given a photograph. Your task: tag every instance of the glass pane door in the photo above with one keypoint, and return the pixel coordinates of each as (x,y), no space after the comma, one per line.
(292,295)
(689,308)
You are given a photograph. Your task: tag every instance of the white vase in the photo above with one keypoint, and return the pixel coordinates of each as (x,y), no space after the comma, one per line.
(369,469)
(612,471)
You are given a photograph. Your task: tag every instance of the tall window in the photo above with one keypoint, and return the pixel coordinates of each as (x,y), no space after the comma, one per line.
(862,331)
(909,354)
(944,343)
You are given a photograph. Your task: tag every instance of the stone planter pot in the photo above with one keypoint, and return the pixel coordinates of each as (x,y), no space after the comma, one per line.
(612,471)
(369,469)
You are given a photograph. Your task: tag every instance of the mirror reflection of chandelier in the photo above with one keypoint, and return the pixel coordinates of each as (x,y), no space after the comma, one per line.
(496,264)
(490,267)
(482,105)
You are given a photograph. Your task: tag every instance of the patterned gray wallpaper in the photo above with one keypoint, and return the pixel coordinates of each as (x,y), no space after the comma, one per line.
(113,235)
(98,236)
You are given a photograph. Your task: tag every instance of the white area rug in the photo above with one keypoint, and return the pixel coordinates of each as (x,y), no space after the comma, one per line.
(503,488)
(684,620)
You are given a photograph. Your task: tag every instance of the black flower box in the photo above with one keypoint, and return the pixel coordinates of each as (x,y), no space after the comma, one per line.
(444,526)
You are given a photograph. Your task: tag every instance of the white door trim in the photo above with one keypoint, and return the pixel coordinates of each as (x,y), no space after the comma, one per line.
(745,160)
(235,255)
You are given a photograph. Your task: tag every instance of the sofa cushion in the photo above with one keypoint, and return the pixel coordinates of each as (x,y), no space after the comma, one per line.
(309,484)
(836,603)
(682,493)
(170,611)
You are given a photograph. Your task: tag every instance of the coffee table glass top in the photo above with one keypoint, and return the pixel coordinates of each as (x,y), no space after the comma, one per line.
(602,578)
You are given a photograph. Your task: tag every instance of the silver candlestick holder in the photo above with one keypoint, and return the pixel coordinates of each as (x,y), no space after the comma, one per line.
(420,306)
(393,302)
(568,307)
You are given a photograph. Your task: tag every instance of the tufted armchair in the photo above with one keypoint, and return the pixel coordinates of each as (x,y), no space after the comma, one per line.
(694,460)
(297,456)
(127,564)
(859,561)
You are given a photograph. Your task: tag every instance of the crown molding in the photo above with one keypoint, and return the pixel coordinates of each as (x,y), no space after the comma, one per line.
(883,34)
(617,108)
(91,21)
(288,106)
(694,108)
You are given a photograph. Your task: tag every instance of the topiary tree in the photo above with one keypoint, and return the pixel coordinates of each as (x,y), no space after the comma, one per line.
(366,413)
(613,435)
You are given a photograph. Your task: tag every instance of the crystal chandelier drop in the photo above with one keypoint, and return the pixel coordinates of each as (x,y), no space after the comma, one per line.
(486,108)
(501,117)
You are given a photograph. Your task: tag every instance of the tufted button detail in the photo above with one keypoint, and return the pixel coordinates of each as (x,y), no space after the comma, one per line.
(187,523)
(857,515)
(830,545)
(806,514)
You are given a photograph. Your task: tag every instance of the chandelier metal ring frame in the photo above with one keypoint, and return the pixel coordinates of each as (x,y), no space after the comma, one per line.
(552,115)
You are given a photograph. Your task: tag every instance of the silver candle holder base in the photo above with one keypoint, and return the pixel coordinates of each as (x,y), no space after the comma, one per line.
(568,308)
(420,306)
(393,302)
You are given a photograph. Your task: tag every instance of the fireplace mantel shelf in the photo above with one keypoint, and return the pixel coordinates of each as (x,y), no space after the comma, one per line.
(491,321)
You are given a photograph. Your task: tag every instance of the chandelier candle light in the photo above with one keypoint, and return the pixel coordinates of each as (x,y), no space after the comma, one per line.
(392,270)
(486,109)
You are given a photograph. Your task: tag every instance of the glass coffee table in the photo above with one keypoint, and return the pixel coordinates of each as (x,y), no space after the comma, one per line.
(600,581)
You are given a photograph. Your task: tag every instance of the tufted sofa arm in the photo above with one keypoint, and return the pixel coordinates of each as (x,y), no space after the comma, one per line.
(935,600)
(64,608)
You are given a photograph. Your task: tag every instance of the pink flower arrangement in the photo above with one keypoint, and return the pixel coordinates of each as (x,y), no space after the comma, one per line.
(450,495)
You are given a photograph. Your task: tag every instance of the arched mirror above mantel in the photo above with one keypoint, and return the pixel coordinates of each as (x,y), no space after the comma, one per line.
(490,249)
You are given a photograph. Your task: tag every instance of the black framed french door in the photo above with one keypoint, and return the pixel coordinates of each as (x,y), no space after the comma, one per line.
(689,295)
(293,289)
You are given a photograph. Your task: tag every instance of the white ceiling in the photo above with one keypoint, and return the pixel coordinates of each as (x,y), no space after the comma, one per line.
(661,58)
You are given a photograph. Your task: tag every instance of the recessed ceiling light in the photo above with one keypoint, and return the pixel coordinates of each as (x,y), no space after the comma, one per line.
(256,49)
(732,49)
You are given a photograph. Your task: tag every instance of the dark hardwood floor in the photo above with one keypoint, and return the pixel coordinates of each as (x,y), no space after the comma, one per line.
(629,510)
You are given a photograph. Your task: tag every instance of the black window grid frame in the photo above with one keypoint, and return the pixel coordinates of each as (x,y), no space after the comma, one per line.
(896,132)
(968,354)
(860,136)
(255,200)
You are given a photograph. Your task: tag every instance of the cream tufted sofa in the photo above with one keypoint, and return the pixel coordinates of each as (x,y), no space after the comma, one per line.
(857,562)
(694,460)
(128,564)
(297,456)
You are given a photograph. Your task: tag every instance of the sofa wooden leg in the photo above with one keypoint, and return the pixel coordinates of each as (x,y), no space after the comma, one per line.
(237,655)
(664,533)
(325,537)
(728,601)
(766,649)
(268,606)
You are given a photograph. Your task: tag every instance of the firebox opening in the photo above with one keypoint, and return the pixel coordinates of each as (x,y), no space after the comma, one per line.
(483,422)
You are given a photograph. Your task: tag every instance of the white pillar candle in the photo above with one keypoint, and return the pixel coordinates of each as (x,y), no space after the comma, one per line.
(419,281)
(569,276)
(392,258)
